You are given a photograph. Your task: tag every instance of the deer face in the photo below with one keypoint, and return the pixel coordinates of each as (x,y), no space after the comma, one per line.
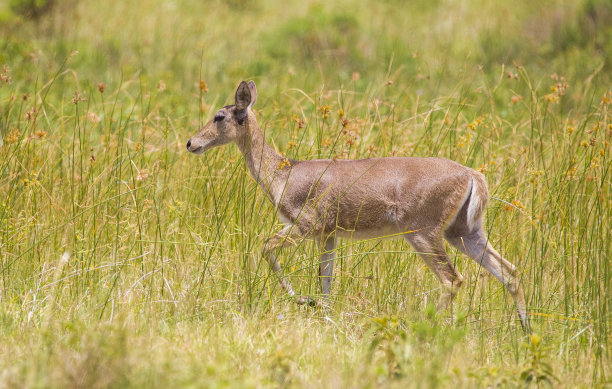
(229,123)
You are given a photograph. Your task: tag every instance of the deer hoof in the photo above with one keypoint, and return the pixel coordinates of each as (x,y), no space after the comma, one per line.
(305,300)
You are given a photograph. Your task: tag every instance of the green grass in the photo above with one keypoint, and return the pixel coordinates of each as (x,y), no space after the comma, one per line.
(127,262)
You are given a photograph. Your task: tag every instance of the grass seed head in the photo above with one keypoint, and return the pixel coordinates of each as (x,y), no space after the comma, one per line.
(202,86)
(12,136)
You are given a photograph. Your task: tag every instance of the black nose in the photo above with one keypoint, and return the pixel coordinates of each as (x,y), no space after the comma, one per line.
(188,144)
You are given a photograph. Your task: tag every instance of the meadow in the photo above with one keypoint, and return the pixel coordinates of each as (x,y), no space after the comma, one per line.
(125,261)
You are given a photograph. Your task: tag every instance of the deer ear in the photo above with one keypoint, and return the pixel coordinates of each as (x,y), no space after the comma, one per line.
(243,96)
(253,90)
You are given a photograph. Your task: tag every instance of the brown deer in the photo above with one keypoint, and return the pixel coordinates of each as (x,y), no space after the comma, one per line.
(423,200)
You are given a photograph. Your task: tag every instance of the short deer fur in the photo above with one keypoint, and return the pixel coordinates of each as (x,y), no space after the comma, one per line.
(423,200)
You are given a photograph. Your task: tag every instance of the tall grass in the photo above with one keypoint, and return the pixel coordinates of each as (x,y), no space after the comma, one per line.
(127,262)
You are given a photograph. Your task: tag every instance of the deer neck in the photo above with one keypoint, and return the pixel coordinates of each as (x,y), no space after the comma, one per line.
(266,166)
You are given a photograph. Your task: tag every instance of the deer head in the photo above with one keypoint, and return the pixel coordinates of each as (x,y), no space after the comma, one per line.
(229,123)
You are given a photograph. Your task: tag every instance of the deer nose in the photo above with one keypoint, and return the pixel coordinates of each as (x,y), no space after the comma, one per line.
(188,144)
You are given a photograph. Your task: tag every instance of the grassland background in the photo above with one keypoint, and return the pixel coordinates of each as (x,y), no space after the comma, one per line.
(126,262)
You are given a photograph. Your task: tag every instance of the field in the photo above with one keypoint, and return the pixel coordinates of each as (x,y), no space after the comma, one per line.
(126,261)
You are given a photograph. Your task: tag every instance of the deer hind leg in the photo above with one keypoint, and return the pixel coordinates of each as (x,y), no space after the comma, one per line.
(435,257)
(476,246)
(288,236)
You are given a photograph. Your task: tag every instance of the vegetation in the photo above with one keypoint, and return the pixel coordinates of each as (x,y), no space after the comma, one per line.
(127,262)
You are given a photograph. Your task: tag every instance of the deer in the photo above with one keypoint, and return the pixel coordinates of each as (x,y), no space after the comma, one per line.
(422,200)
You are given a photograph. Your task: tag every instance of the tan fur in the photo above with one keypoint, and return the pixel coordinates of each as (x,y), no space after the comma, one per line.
(423,200)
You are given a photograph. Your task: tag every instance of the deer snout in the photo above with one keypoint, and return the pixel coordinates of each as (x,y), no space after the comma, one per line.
(193,148)
(206,139)
(194,145)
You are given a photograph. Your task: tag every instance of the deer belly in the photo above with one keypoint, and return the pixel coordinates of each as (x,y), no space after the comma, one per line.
(381,224)
(383,232)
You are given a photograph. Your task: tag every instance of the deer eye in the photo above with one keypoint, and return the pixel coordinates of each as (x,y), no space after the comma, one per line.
(219,117)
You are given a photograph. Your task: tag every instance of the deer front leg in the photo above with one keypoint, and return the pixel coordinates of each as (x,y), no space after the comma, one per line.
(326,264)
(286,237)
